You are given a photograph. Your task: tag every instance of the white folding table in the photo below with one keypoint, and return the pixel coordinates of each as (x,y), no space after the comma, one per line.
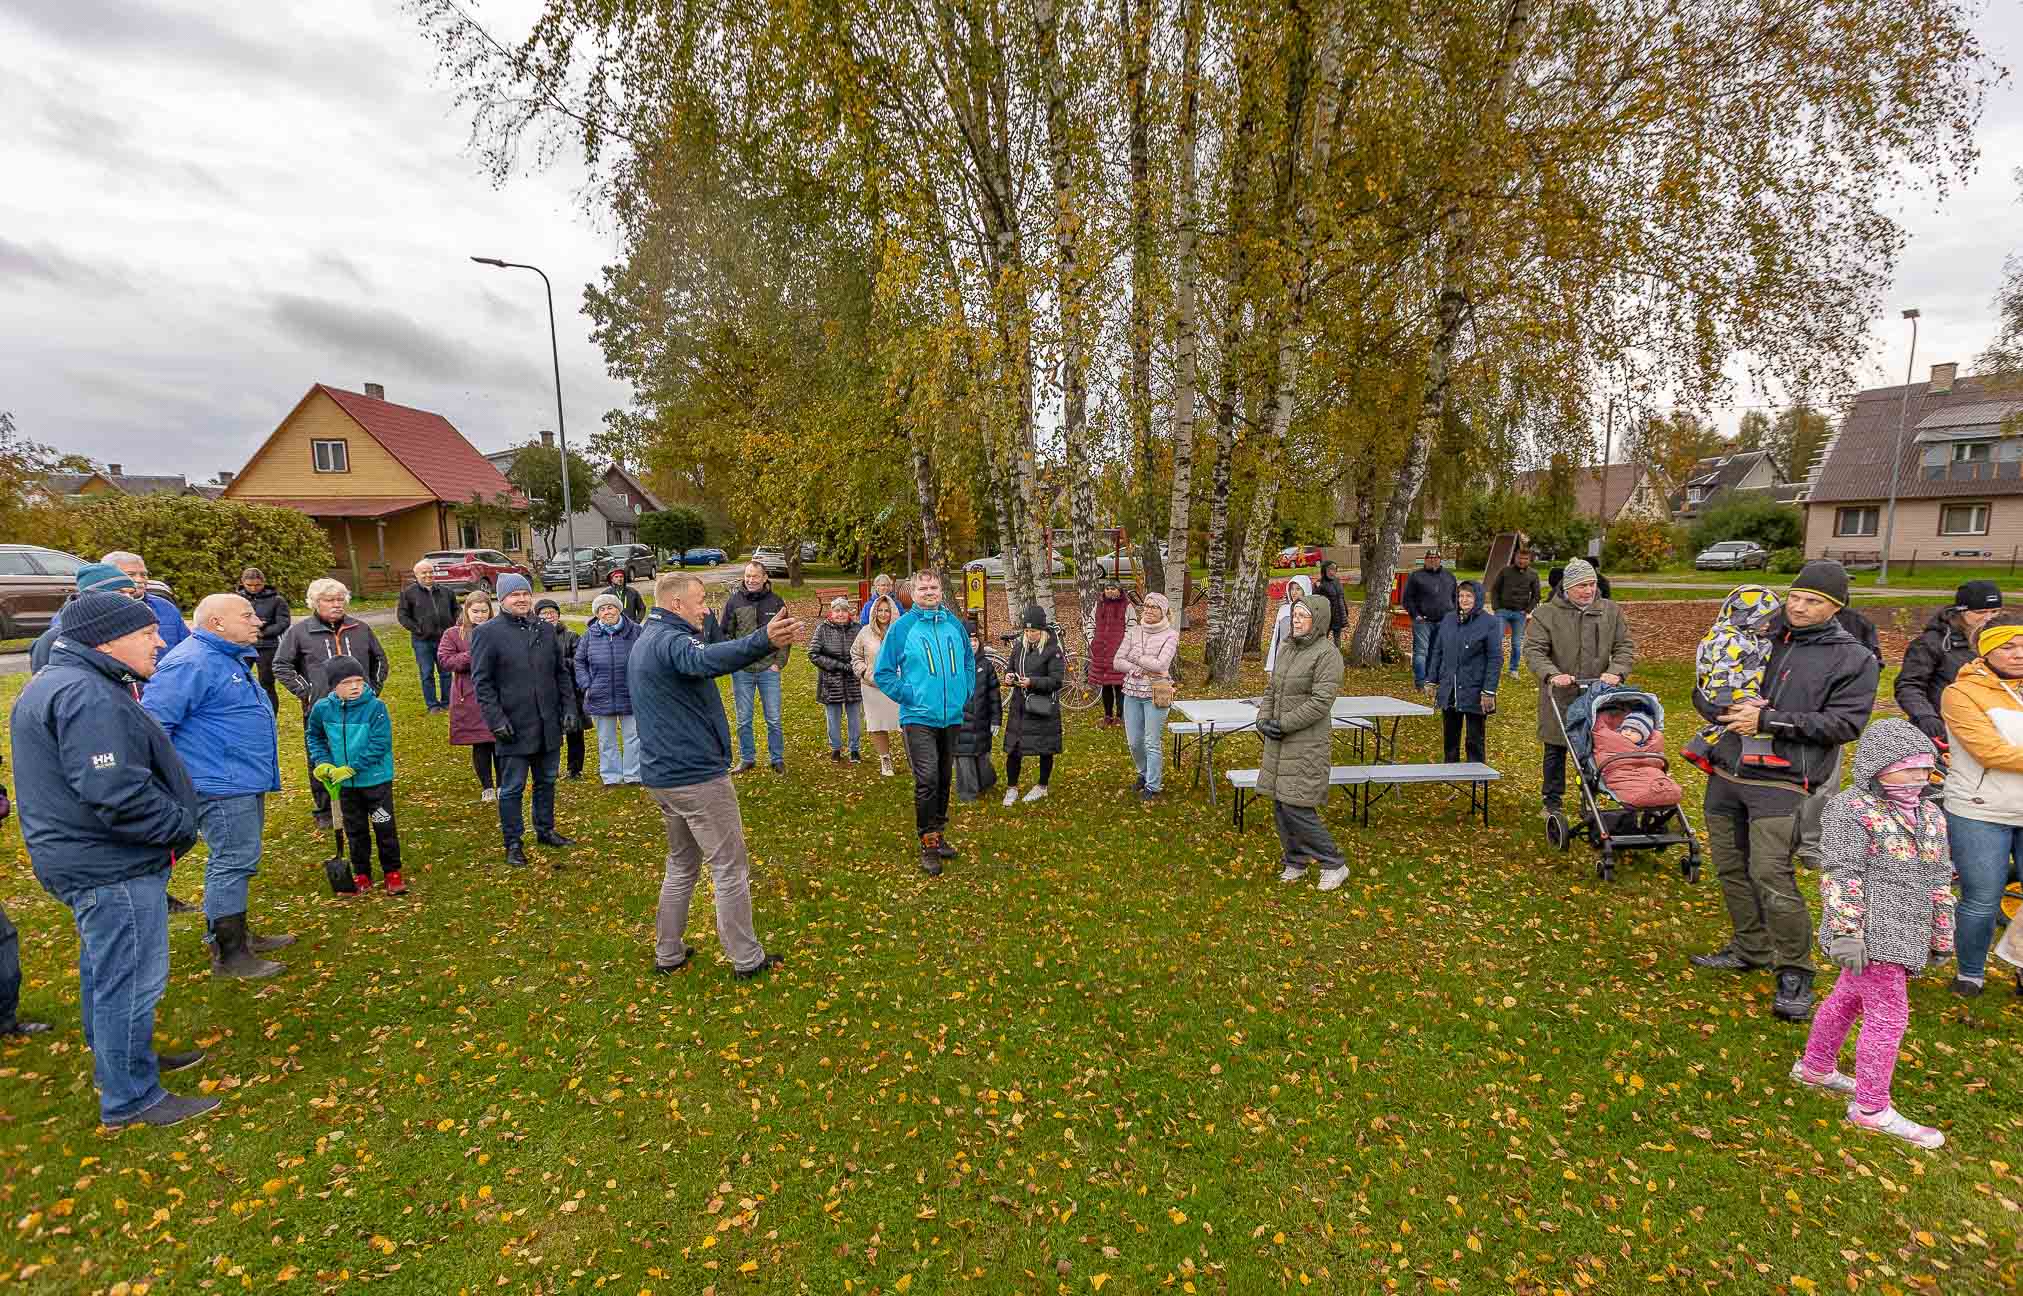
(1214,719)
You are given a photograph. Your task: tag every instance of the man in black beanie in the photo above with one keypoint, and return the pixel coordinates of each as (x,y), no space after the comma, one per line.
(1818,691)
(1936,655)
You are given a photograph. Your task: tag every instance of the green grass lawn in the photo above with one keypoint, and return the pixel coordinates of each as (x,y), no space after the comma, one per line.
(1107,1052)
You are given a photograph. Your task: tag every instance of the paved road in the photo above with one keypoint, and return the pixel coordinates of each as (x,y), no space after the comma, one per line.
(1860,591)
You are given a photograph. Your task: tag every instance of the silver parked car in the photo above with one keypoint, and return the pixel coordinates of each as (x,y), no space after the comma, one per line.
(1733,555)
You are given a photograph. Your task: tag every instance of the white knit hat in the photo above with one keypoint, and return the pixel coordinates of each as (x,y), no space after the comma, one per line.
(603,601)
(1578,572)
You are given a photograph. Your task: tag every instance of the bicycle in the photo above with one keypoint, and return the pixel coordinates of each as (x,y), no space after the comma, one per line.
(1076,692)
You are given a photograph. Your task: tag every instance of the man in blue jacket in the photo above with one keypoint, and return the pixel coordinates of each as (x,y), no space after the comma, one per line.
(926,666)
(91,578)
(206,696)
(106,807)
(685,748)
(167,615)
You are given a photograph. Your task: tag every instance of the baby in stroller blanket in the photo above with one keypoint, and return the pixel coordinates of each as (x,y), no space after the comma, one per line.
(1620,735)
(1729,669)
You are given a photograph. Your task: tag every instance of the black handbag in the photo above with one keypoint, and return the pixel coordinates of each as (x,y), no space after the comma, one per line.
(1041,706)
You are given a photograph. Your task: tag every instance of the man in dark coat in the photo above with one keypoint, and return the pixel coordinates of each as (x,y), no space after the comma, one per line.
(526,688)
(1329,587)
(309,645)
(1936,655)
(1819,688)
(749,607)
(425,611)
(1515,596)
(1428,598)
(106,807)
(629,602)
(272,610)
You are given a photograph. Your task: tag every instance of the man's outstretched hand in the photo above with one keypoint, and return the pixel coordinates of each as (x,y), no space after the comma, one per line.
(783,629)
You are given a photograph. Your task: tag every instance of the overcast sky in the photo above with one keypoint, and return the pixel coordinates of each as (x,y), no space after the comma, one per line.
(207,207)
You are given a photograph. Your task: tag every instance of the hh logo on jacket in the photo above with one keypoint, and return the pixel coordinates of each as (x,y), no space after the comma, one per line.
(104,760)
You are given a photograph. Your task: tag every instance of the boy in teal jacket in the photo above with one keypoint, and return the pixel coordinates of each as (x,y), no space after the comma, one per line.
(351,740)
(926,666)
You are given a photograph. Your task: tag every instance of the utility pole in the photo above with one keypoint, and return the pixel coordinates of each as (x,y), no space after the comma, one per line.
(1882,577)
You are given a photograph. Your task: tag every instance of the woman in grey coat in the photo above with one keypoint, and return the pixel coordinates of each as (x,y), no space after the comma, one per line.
(1295,718)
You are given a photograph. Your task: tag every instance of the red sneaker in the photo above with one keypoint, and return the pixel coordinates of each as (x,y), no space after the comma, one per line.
(362,882)
(394,886)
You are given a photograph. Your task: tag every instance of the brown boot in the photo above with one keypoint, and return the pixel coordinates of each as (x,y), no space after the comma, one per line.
(930,854)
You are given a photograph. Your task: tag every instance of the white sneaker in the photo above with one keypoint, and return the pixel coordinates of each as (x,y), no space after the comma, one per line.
(1011,794)
(1893,1123)
(1293,873)
(1832,1082)
(1334,877)
(489,794)
(1038,792)
(885,766)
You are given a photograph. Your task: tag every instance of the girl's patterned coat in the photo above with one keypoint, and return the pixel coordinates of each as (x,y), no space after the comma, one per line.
(1884,878)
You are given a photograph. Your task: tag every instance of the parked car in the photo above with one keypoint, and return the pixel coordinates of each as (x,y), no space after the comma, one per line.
(808,551)
(641,563)
(706,556)
(1732,555)
(34,582)
(993,566)
(772,558)
(590,562)
(1300,556)
(463,570)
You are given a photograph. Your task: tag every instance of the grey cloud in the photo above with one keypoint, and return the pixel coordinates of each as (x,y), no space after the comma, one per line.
(49,265)
(500,309)
(70,129)
(366,336)
(344,267)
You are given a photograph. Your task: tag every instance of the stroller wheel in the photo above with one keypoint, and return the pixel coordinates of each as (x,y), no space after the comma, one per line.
(1555,832)
(1691,867)
(1605,867)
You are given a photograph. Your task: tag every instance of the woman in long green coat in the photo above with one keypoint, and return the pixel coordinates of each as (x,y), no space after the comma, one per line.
(1295,719)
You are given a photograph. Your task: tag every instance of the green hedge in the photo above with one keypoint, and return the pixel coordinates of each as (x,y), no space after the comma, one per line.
(198,546)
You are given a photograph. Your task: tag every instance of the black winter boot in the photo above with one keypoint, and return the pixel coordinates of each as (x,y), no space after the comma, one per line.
(1794,996)
(267,944)
(234,958)
(930,854)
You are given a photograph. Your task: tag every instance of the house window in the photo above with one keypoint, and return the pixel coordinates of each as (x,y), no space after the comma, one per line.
(1856,521)
(330,456)
(1972,451)
(509,538)
(1963,519)
(467,534)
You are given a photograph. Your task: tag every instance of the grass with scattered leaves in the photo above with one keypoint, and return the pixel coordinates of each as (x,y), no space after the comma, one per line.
(1107,1052)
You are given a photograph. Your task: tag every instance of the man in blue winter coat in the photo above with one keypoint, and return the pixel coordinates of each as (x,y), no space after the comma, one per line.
(206,696)
(685,748)
(926,666)
(106,807)
(167,616)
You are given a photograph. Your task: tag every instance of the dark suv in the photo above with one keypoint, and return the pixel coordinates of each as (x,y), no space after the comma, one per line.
(640,561)
(34,582)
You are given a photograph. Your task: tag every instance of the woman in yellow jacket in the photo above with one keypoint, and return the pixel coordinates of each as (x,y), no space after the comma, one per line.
(1983,710)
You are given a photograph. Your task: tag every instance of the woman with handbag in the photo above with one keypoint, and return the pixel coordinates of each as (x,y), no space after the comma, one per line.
(1147,655)
(1461,671)
(1032,724)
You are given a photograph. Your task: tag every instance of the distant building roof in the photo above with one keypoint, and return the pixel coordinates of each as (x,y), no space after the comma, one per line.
(613,506)
(427,445)
(1857,467)
(59,484)
(653,504)
(1726,472)
(1593,488)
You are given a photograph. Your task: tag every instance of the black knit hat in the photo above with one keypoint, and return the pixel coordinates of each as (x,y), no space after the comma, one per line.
(341,668)
(1824,577)
(1035,617)
(1975,596)
(99,618)
(545,605)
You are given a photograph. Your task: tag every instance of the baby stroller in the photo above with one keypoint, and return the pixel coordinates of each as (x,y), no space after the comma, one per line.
(1641,810)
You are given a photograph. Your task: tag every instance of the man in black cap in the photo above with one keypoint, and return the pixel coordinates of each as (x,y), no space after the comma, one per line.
(1818,690)
(1936,655)
(1429,596)
(106,807)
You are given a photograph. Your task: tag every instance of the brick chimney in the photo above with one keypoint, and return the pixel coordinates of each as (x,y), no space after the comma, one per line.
(1942,378)
(548,438)
(375,391)
(115,470)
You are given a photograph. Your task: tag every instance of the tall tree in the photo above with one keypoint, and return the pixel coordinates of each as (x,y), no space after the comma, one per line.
(537,472)
(1186,312)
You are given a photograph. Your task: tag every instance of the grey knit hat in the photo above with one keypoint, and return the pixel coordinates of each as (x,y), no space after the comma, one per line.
(1578,572)
(602,601)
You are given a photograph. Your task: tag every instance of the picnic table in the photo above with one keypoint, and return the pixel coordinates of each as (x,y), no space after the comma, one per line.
(1211,720)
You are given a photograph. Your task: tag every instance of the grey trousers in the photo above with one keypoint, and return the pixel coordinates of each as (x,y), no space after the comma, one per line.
(1302,836)
(1753,855)
(1809,812)
(703,823)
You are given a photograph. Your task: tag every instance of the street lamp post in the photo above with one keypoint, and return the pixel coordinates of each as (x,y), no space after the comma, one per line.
(1897,460)
(561,429)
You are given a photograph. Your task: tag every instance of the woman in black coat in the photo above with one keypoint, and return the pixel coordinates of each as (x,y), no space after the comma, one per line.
(837,687)
(1036,672)
(974,774)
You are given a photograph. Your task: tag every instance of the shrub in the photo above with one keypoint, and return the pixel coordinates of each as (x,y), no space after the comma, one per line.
(1787,560)
(198,546)
(1637,545)
(1749,517)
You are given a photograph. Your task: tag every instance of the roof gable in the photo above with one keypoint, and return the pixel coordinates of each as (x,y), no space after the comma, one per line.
(1614,487)
(427,445)
(1857,465)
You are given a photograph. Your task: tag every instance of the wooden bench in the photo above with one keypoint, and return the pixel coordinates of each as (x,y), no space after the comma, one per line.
(1206,736)
(1366,783)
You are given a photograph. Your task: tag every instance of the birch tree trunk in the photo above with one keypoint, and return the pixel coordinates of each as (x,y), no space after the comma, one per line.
(1236,274)
(1071,299)
(1455,243)
(1136,27)
(1187,318)
(928,490)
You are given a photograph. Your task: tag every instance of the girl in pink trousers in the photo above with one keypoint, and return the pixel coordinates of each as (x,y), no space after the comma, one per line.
(1886,902)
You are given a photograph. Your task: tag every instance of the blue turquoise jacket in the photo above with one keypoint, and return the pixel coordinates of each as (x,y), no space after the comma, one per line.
(206,694)
(926,666)
(357,733)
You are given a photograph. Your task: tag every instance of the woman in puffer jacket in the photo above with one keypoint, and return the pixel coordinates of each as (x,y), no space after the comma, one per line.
(974,773)
(1461,670)
(1296,720)
(1983,710)
(1886,909)
(837,687)
(602,665)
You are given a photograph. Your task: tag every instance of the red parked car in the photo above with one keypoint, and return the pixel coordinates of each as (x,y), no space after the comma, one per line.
(463,570)
(1300,556)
